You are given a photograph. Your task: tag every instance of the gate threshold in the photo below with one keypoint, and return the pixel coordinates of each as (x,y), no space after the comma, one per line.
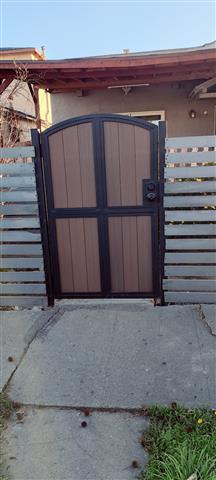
(104,302)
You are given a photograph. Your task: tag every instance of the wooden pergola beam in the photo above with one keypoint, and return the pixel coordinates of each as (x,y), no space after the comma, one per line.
(5,83)
(203,88)
(35,97)
(103,72)
(31,89)
(121,61)
(207,95)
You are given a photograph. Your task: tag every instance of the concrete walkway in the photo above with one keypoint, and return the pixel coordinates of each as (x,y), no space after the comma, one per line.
(112,358)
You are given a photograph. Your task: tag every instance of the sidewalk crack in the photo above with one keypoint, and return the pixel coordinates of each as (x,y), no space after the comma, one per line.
(56,311)
(204,321)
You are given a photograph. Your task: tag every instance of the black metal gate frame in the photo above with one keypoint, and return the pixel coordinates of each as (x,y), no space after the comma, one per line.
(101,211)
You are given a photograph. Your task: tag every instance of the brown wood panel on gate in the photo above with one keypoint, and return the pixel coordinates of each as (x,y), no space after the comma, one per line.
(128,161)
(78,252)
(72,167)
(130,254)
(103,230)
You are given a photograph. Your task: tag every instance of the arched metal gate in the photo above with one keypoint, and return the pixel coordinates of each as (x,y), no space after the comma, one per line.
(103,203)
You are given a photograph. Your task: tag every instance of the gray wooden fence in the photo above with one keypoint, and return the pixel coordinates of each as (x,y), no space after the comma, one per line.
(22,275)
(190,220)
(190,225)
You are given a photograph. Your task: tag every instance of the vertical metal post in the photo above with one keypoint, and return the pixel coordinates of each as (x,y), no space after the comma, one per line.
(42,214)
(100,172)
(162,136)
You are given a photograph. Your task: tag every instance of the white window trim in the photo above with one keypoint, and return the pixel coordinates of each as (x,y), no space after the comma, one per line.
(149,113)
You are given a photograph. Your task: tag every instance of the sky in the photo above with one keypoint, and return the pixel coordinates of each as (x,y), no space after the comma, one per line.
(80,28)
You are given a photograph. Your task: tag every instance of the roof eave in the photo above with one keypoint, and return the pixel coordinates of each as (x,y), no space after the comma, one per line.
(95,72)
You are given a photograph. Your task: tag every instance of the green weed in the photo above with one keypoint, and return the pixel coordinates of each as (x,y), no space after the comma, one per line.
(180,442)
(6,409)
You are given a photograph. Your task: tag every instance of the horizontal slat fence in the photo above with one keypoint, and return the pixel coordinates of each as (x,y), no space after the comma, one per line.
(22,276)
(190,220)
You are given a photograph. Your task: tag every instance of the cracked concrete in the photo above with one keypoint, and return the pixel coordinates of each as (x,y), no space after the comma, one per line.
(208,313)
(17,330)
(112,357)
(122,357)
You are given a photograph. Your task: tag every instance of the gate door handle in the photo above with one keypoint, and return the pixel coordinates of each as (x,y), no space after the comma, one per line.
(150,190)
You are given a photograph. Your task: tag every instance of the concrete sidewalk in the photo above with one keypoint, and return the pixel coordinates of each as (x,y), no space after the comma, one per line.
(113,357)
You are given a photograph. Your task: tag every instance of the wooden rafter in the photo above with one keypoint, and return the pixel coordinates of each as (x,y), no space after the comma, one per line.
(105,83)
(201,90)
(5,83)
(207,95)
(32,92)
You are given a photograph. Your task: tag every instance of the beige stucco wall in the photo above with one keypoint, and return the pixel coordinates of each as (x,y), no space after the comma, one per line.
(17,55)
(173,98)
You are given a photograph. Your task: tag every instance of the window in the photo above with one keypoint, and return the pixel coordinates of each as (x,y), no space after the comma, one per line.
(149,116)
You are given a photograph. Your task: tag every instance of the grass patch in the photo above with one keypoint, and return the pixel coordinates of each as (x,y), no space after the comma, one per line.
(180,442)
(6,409)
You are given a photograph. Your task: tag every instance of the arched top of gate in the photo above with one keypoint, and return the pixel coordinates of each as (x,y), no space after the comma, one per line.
(99,118)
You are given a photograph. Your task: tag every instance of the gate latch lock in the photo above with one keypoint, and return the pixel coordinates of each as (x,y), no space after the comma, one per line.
(151,196)
(150,190)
